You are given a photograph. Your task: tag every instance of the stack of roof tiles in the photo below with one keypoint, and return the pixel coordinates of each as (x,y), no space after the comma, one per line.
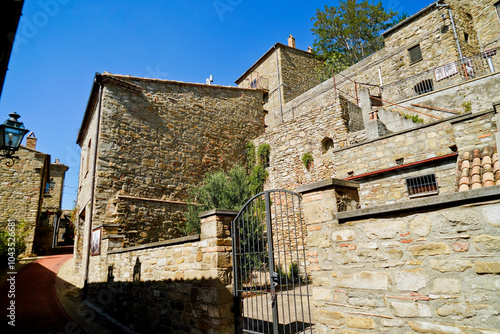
(477,170)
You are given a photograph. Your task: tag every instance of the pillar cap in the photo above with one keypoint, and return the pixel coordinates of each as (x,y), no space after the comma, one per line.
(326,184)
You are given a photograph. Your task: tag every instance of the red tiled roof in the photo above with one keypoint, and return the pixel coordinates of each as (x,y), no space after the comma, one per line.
(477,170)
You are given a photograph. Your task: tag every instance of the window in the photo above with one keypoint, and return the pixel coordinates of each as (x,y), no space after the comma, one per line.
(422,185)
(466,37)
(415,54)
(424,86)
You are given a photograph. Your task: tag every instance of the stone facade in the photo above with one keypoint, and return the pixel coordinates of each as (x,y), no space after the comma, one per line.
(26,197)
(155,139)
(22,189)
(283,73)
(405,268)
(180,286)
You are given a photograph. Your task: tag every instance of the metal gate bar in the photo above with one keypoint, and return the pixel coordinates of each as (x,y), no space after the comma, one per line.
(269,265)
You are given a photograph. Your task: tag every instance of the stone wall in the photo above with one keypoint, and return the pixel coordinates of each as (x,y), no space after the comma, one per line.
(442,138)
(429,266)
(288,72)
(305,133)
(156,139)
(180,286)
(486,22)
(21,190)
(52,201)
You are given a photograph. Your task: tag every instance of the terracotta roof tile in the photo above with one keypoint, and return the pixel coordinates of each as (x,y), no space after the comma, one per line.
(478,169)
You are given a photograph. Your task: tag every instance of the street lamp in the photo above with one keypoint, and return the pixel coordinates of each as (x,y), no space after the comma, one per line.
(11,135)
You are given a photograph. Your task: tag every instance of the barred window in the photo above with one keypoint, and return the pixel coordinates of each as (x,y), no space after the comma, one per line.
(415,54)
(422,185)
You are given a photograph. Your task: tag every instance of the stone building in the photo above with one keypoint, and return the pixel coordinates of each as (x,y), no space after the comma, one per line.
(282,73)
(401,214)
(144,142)
(28,195)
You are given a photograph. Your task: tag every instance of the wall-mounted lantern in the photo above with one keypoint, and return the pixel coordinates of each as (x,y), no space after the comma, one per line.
(12,133)
(52,183)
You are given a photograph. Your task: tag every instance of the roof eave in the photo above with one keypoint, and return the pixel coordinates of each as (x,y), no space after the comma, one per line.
(411,18)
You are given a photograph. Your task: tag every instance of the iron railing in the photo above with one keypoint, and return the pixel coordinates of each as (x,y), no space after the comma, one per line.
(444,76)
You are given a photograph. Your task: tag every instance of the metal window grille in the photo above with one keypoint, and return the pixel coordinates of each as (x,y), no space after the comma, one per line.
(415,53)
(422,185)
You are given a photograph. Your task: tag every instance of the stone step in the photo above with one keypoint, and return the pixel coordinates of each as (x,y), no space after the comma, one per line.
(395,122)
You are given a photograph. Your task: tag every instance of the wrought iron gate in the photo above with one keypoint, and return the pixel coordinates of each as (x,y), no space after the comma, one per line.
(269,265)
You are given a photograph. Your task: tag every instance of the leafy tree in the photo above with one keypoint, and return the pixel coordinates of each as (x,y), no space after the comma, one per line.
(351,31)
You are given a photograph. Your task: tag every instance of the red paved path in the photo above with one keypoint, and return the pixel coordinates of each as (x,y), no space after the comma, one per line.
(37,307)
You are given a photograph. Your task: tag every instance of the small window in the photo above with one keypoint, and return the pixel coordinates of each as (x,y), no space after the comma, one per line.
(326,144)
(422,185)
(466,37)
(415,54)
(423,87)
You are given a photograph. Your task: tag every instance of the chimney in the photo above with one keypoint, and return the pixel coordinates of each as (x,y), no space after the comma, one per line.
(309,49)
(31,140)
(291,41)
(57,162)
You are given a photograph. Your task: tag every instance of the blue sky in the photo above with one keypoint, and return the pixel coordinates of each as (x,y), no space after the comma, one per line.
(61,44)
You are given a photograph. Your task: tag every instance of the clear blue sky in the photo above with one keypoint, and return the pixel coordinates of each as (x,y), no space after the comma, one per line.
(60,44)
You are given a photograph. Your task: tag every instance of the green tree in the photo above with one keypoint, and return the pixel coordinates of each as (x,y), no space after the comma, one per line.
(351,31)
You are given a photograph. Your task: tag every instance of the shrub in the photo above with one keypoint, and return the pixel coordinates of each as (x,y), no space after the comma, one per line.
(263,153)
(222,190)
(414,118)
(250,154)
(19,245)
(307,159)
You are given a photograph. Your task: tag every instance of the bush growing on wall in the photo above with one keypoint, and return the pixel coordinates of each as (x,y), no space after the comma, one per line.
(221,190)
(6,242)
(227,190)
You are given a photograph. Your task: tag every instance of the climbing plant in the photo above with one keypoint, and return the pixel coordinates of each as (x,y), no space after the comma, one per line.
(263,153)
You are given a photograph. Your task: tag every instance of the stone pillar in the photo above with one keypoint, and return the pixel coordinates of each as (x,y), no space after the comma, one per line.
(216,232)
(321,200)
(374,126)
(365,104)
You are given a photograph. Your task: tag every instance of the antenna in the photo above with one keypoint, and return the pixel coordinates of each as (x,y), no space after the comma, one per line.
(210,80)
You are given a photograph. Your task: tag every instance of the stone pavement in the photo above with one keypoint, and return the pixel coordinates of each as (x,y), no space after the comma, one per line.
(46,303)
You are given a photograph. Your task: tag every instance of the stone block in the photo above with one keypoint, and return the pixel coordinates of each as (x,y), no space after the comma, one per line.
(384,230)
(450,265)
(327,317)
(343,235)
(322,294)
(421,225)
(486,243)
(487,267)
(318,240)
(456,310)
(319,212)
(436,248)
(460,247)
(365,280)
(410,310)
(484,283)
(360,322)
(411,280)
(447,286)
(491,215)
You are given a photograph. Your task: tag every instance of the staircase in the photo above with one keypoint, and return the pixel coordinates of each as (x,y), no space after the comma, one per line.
(395,122)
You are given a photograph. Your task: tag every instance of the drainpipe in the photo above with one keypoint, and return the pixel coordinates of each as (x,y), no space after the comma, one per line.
(98,81)
(279,82)
(453,26)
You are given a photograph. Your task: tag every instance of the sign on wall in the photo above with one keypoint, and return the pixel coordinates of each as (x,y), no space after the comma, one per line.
(95,245)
